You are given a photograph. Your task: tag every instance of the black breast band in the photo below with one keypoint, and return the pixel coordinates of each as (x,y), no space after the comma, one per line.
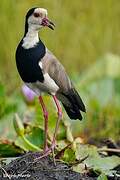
(27,62)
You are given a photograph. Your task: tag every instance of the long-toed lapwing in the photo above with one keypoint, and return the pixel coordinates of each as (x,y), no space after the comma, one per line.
(42,72)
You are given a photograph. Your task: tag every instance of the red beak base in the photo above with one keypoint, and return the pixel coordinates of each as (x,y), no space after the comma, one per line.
(48,23)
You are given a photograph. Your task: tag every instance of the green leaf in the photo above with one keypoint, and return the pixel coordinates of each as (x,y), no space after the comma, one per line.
(95,161)
(35,136)
(2,90)
(8,107)
(6,127)
(69,155)
(80,168)
(102,177)
(106,163)
(9,150)
(86,150)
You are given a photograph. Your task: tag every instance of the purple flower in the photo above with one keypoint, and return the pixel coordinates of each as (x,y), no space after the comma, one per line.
(28,93)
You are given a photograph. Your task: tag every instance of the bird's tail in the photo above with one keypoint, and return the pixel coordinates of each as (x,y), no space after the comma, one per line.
(72,103)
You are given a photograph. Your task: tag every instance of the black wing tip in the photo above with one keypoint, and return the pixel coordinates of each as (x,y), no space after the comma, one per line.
(75,99)
(75,105)
(84,109)
(76,116)
(73,114)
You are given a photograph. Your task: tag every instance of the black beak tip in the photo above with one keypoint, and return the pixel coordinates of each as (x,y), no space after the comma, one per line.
(51,27)
(52,23)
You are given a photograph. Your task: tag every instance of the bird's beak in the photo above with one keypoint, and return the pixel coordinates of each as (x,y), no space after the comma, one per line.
(48,23)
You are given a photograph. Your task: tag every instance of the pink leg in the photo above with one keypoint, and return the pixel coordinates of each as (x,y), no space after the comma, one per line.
(58,120)
(46,121)
(51,149)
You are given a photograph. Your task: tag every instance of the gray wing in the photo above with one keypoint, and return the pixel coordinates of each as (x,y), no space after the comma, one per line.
(67,94)
(56,71)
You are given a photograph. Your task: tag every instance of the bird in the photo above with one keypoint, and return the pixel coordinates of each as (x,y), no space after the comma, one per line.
(42,72)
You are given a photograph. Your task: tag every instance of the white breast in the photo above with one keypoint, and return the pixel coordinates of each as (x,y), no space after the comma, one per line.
(31,39)
(48,86)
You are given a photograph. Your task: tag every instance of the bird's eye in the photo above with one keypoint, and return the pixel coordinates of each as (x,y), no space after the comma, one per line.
(36,15)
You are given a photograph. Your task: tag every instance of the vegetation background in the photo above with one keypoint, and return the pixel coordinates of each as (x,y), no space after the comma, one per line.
(87,42)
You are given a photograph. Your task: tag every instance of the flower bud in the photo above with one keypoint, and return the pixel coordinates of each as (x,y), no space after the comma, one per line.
(19,128)
(28,94)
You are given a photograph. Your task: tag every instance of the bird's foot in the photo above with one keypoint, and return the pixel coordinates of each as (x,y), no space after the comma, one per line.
(47,151)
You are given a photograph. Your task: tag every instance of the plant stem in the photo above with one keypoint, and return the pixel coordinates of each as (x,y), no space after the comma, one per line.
(109,150)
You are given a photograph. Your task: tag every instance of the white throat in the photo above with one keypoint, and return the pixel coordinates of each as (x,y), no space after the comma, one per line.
(31,39)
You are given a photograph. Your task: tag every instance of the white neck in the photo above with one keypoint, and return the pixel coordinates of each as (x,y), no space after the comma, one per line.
(31,39)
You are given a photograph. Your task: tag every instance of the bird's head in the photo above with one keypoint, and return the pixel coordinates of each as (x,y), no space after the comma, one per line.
(36,18)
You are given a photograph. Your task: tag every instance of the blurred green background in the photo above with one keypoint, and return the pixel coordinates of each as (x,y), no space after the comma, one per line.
(87,42)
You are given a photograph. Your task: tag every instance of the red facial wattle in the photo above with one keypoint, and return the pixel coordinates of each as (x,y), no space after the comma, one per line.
(48,23)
